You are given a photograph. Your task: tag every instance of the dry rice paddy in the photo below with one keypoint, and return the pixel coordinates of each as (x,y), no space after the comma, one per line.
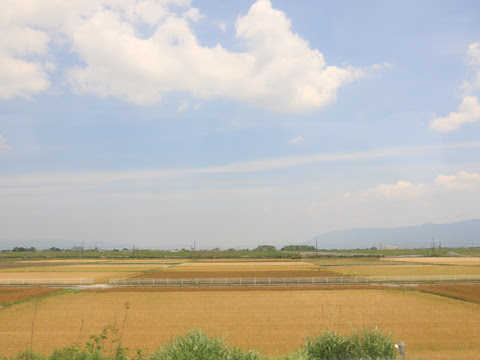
(236,269)
(467,292)
(12,294)
(407,269)
(100,273)
(275,322)
(441,260)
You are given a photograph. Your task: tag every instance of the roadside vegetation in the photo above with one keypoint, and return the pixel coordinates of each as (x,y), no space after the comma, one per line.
(367,343)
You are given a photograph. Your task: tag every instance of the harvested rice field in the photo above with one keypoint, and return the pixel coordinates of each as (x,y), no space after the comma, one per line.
(10,295)
(406,269)
(99,277)
(237,269)
(275,322)
(475,261)
(467,292)
(99,272)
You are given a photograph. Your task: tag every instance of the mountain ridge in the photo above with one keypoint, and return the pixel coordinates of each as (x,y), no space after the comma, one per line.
(464,233)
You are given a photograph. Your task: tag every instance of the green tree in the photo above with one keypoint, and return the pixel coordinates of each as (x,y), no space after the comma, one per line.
(265,248)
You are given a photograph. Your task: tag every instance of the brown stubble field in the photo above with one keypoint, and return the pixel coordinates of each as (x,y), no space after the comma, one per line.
(239,269)
(10,295)
(434,321)
(275,322)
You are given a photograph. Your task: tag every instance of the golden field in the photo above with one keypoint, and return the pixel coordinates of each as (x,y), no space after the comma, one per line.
(407,269)
(100,272)
(275,322)
(99,277)
(237,269)
(472,260)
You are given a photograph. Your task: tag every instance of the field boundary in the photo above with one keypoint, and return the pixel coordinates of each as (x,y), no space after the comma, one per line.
(264,281)
(59,281)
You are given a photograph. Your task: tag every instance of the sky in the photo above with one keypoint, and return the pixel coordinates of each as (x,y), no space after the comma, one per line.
(160,123)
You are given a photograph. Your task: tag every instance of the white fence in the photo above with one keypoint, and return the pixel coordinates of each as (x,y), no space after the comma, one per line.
(293,280)
(53,282)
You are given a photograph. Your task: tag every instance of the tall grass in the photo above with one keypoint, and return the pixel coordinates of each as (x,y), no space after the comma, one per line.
(364,344)
(367,343)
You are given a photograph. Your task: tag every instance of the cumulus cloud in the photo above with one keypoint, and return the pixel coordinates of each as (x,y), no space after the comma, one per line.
(473,53)
(404,190)
(20,77)
(400,190)
(278,70)
(297,140)
(469,109)
(460,181)
(141,50)
(3,143)
(468,112)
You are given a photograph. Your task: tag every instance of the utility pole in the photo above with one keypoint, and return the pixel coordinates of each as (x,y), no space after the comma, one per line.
(433,246)
(316,248)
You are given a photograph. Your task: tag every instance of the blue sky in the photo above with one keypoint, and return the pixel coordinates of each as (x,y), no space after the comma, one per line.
(233,124)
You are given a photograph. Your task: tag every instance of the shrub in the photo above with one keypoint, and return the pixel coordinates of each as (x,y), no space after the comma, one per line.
(197,345)
(368,343)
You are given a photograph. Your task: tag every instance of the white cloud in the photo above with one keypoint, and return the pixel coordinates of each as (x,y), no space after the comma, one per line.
(297,140)
(21,78)
(402,190)
(222,26)
(278,70)
(27,27)
(473,53)
(3,143)
(194,15)
(183,106)
(23,41)
(468,112)
(473,61)
(461,181)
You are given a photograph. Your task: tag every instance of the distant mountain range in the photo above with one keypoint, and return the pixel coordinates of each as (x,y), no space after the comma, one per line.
(458,234)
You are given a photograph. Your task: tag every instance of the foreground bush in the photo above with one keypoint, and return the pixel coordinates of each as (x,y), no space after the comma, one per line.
(365,344)
(197,345)
(368,343)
